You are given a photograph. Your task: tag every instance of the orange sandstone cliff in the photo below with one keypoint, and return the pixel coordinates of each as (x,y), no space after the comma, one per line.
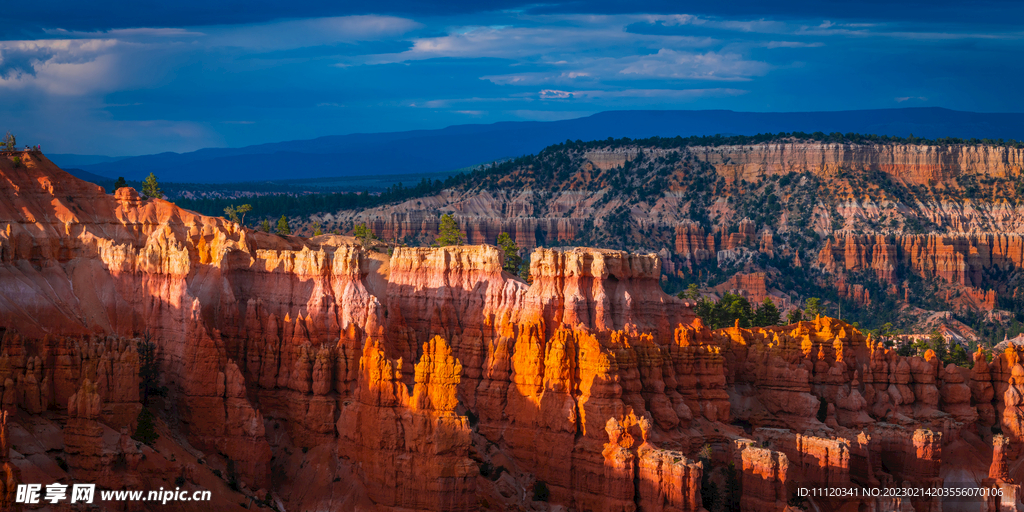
(866,221)
(316,374)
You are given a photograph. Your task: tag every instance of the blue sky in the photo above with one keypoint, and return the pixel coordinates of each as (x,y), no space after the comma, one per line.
(129,77)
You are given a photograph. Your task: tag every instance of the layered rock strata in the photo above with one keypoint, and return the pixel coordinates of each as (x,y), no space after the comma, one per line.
(431,379)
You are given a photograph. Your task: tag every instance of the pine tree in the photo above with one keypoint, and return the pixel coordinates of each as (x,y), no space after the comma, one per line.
(151,188)
(524,269)
(317,230)
(794,316)
(767,314)
(120,183)
(9,141)
(145,432)
(148,370)
(282,226)
(958,356)
(512,259)
(363,233)
(242,210)
(937,342)
(231,213)
(265,226)
(813,308)
(448,232)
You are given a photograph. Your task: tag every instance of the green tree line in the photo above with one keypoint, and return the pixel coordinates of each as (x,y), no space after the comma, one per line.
(301,205)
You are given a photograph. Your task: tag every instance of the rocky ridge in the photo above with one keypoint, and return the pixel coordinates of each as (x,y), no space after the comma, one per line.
(868,221)
(320,374)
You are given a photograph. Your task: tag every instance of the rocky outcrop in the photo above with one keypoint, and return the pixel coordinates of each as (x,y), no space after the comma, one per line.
(867,217)
(765,477)
(83,434)
(10,475)
(906,162)
(397,438)
(956,258)
(407,381)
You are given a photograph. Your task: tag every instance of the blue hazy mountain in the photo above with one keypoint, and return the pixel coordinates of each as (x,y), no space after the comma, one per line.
(428,151)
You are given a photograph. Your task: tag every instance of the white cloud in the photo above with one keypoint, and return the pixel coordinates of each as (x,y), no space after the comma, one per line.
(532,42)
(792,44)
(673,94)
(65,67)
(665,64)
(291,34)
(550,94)
(705,66)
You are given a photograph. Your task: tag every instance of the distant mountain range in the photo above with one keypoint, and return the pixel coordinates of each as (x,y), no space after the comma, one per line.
(431,151)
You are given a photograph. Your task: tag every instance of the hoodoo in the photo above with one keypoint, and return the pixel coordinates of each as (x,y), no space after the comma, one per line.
(315,374)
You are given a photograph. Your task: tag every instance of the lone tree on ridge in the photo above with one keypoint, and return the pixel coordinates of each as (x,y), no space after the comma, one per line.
(151,187)
(448,232)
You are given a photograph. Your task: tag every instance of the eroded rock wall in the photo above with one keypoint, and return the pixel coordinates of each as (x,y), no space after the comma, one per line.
(419,372)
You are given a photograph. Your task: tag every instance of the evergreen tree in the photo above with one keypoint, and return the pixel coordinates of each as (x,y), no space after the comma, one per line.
(958,356)
(794,316)
(282,226)
(726,311)
(317,231)
(241,211)
(448,232)
(512,259)
(691,292)
(364,234)
(232,213)
(151,188)
(524,269)
(813,307)
(919,347)
(732,488)
(148,370)
(9,142)
(767,314)
(906,349)
(265,226)
(145,432)
(120,183)
(937,342)
(708,490)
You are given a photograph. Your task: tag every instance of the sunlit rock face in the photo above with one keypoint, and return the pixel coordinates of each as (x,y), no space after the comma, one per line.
(328,376)
(864,219)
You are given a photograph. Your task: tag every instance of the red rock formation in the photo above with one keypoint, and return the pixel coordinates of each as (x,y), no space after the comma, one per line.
(956,258)
(1013,411)
(10,475)
(765,478)
(999,470)
(83,434)
(398,439)
(974,241)
(398,370)
(753,286)
(692,245)
(668,481)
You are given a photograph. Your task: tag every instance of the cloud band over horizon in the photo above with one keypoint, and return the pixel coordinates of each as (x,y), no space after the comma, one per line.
(137,84)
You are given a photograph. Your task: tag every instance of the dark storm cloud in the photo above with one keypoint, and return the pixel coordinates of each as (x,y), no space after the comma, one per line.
(131,77)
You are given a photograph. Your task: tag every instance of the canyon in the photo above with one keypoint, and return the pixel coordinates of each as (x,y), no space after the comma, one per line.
(936,227)
(323,373)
